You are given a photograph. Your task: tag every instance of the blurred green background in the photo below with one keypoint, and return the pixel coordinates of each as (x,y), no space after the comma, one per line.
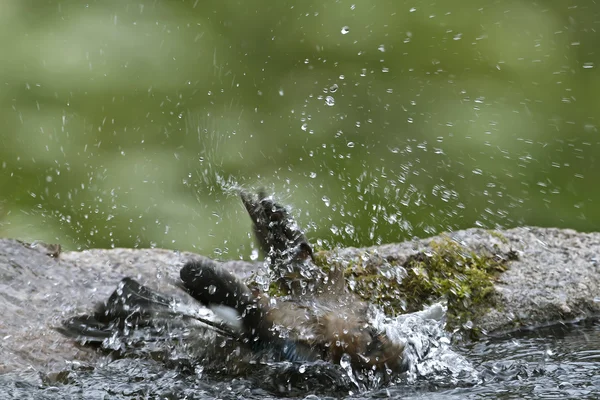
(129,123)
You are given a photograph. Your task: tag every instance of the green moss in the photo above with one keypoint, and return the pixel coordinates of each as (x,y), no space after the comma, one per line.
(448,270)
(498,236)
(277,290)
(463,277)
(321,260)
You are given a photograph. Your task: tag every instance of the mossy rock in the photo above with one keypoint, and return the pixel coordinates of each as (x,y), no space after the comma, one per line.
(448,270)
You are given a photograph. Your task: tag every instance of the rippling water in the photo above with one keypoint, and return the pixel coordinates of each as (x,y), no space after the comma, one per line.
(551,363)
(561,362)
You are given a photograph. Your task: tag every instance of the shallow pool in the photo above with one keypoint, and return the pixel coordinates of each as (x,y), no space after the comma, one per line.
(561,362)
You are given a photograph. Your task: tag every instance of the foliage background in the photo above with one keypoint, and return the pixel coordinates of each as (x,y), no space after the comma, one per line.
(127,123)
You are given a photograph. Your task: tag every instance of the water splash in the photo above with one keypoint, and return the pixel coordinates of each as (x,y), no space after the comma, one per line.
(428,354)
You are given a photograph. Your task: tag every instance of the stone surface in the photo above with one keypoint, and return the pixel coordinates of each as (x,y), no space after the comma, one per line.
(557,278)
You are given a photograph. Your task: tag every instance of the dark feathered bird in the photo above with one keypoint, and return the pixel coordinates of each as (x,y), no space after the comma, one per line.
(317,320)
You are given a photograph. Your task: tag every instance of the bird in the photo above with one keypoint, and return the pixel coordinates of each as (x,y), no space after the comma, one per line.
(315,319)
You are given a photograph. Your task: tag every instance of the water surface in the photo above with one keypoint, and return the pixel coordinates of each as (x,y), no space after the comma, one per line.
(552,363)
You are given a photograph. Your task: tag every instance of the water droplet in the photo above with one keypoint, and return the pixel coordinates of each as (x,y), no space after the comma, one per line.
(212,289)
(345,362)
(350,145)
(381,48)
(345,30)
(349,229)
(329,101)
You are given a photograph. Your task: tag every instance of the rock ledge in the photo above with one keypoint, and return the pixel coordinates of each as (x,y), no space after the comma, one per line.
(555,279)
